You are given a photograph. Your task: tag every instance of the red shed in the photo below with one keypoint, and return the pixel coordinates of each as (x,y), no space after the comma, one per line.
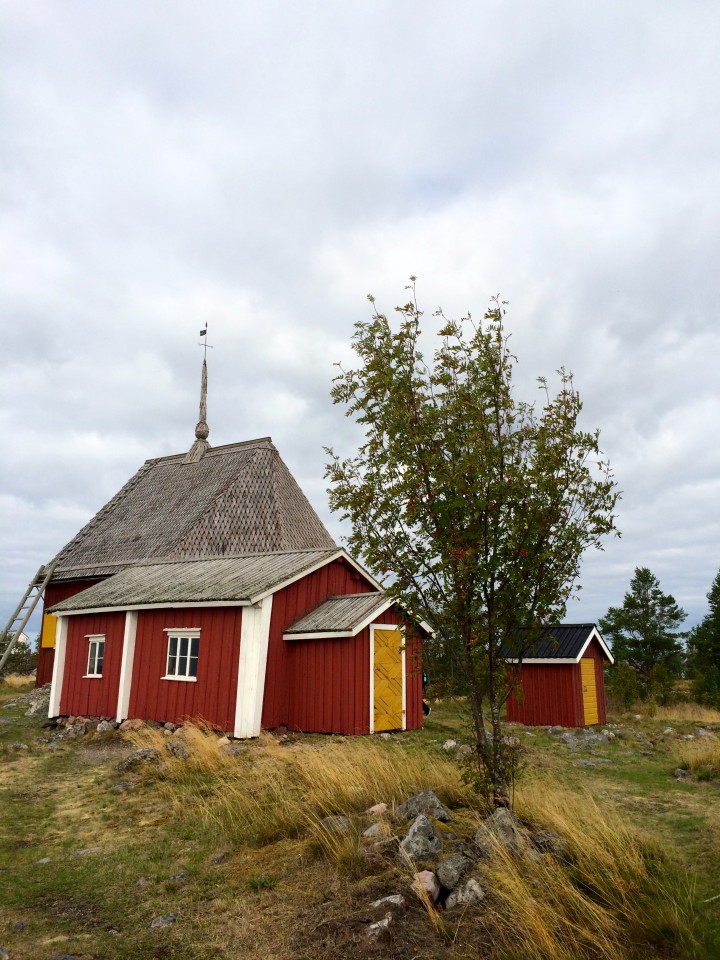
(562,682)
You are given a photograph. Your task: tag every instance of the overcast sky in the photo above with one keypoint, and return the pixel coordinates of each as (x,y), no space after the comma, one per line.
(263,166)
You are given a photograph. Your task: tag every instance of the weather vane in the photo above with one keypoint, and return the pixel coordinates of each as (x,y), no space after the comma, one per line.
(205,344)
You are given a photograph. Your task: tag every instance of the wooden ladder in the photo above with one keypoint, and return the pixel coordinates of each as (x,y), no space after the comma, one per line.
(23,612)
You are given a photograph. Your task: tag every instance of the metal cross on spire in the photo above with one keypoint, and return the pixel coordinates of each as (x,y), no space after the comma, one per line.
(205,344)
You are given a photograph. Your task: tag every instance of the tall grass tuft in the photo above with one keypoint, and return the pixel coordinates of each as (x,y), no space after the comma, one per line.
(15,681)
(618,889)
(274,790)
(701,758)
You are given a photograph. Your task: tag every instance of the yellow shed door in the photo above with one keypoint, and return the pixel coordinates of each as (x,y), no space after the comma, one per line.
(387,675)
(589,689)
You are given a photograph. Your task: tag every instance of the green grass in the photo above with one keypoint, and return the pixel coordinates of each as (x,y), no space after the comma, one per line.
(285,886)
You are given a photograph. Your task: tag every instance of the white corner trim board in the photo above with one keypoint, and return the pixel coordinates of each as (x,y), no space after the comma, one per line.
(58,667)
(126,665)
(254,639)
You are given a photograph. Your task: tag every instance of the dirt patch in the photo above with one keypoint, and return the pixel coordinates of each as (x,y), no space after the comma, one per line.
(97,752)
(84,915)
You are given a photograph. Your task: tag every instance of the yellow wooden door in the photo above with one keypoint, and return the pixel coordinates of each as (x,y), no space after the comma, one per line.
(387,675)
(49,625)
(589,689)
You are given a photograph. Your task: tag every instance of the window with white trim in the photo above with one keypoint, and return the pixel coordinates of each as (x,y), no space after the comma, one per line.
(182,655)
(96,655)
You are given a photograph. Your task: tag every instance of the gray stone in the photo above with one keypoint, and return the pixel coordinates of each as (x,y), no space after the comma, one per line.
(220,858)
(396,901)
(427,885)
(123,787)
(336,824)
(235,750)
(545,841)
(164,920)
(180,877)
(379,929)
(704,734)
(172,727)
(44,860)
(87,852)
(450,870)
(668,731)
(177,749)
(65,956)
(4,953)
(139,758)
(422,839)
(375,830)
(555,731)
(569,738)
(424,802)
(133,723)
(449,744)
(469,893)
(377,810)
(105,726)
(681,774)
(505,828)
(464,749)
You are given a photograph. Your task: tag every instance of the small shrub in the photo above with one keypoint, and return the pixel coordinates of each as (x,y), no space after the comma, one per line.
(261,883)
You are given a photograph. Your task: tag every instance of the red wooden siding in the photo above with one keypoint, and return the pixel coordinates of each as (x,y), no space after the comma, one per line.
(92,696)
(552,693)
(289,604)
(55,593)
(329,688)
(212,697)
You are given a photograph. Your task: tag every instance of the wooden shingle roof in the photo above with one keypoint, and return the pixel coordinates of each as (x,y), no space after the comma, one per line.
(339,616)
(239,498)
(217,580)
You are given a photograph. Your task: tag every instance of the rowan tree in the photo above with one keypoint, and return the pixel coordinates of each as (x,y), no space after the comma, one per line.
(704,652)
(644,633)
(476,506)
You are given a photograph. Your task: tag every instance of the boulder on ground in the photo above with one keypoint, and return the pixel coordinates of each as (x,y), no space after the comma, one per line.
(504,828)
(395,901)
(138,758)
(427,886)
(545,841)
(422,839)
(177,749)
(336,824)
(133,723)
(424,802)
(469,893)
(450,870)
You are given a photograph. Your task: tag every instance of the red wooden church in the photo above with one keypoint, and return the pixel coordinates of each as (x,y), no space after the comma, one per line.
(208,588)
(562,680)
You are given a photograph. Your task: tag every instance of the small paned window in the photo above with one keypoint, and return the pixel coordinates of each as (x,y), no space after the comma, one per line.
(182,658)
(96,655)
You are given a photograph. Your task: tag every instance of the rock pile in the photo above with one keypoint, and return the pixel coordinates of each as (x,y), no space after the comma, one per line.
(442,878)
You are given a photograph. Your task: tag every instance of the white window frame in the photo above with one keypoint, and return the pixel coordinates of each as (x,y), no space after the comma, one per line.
(188,634)
(95,639)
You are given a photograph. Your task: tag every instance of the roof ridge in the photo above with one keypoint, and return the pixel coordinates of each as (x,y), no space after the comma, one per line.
(224,448)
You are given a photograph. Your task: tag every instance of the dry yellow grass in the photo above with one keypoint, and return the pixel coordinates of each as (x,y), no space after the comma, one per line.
(618,885)
(701,758)
(15,680)
(688,713)
(274,790)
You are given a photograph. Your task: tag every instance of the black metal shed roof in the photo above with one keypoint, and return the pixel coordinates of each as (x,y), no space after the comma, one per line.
(564,642)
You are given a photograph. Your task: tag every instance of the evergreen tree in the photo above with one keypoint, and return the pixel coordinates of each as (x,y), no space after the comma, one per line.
(644,634)
(704,652)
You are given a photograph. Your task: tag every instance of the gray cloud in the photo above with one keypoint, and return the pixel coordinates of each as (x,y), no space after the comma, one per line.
(263,166)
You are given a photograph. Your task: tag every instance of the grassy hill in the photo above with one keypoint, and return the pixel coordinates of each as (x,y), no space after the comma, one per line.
(228,845)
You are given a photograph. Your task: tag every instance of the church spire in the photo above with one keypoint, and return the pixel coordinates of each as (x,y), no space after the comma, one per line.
(202,430)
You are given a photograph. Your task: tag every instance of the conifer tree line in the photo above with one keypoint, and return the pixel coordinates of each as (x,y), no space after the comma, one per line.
(649,648)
